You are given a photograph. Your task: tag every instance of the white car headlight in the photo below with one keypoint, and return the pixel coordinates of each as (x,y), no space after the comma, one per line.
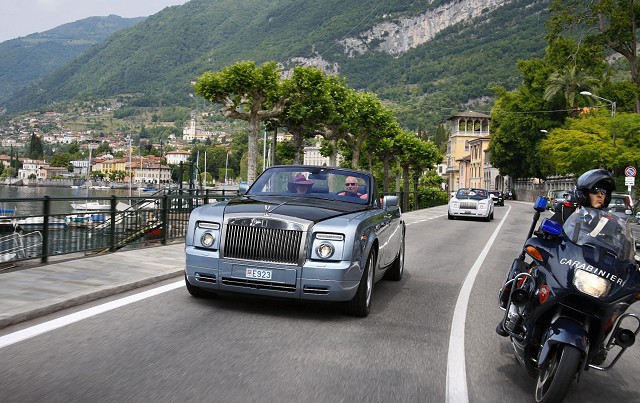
(327,246)
(207,239)
(209,233)
(454,204)
(325,250)
(591,284)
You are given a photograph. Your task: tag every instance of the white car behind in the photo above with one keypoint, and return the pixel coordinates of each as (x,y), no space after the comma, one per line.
(472,203)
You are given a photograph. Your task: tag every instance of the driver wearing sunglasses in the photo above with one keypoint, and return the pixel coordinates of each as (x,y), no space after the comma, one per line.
(351,188)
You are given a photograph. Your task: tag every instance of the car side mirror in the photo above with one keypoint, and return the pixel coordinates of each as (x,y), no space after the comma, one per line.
(389,201)
(242,189)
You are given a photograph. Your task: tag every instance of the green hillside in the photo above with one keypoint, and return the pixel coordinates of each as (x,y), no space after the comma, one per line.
(26,59)
(162,55)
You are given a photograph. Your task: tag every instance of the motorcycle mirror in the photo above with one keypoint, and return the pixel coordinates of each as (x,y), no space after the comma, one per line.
(540,204)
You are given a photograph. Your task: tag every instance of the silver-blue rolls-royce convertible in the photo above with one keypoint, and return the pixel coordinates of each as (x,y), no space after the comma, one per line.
(305,232)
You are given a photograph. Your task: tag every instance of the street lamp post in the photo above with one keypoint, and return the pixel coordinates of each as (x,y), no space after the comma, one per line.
(613,111)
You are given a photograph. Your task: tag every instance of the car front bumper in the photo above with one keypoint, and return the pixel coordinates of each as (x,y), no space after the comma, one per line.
(323,281)
(460,212)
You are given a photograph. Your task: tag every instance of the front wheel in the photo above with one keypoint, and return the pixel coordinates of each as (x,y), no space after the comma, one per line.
(195,291)
(555,378)
(360,305)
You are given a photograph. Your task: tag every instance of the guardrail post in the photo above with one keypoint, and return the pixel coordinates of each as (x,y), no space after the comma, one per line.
(112,224)
(165,220)
(45,229)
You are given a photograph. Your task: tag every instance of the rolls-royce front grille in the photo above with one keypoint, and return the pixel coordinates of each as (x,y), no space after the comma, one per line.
(469,205)
(262,244)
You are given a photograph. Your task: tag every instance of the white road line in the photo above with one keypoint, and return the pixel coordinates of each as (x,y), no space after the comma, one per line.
(36,330)
(423,220)
(456,367)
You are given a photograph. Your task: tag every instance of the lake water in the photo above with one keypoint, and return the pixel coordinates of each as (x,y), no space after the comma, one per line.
(62,207)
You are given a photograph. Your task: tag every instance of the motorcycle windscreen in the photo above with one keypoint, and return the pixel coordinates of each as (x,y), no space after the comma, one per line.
(600,229)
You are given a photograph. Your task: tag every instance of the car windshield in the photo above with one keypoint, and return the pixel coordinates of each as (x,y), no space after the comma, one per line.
(600,228)
(558,194)
(313,182)
(476,194)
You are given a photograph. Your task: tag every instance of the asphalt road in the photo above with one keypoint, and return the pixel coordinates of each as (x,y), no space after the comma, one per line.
(174,348)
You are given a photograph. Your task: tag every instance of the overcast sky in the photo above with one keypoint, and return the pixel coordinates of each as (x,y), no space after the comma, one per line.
(24,17)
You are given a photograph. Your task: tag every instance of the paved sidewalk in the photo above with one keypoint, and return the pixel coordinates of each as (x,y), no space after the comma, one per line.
(37,291)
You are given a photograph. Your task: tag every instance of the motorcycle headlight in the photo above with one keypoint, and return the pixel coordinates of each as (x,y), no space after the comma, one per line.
(591,284)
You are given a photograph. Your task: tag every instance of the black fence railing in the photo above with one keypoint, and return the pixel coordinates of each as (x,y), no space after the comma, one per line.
(41,227)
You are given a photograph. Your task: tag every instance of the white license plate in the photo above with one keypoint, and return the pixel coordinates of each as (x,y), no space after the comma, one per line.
(259,274)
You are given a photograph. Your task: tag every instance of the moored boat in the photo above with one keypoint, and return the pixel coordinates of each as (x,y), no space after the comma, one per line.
(37,224)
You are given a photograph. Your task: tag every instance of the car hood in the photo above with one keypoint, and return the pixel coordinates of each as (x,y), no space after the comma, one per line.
(306,208)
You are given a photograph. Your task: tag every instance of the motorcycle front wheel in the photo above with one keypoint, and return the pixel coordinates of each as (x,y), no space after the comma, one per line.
(555,378)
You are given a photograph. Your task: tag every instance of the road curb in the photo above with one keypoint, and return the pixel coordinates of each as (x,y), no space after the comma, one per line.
(58,304)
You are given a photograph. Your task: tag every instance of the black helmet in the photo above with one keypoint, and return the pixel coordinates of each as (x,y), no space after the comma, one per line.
(595,178)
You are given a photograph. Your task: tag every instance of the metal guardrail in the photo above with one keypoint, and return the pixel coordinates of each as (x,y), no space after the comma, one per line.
(49,227)
(46,226)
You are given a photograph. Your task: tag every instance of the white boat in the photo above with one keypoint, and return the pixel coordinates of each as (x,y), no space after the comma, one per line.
(97,206)
(90,206)
(37,224)
(85,220)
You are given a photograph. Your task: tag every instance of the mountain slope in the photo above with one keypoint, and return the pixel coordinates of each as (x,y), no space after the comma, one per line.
(34,56)
(447,53)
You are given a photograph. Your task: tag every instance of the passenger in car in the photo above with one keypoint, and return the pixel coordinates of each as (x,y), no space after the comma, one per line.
(301,184)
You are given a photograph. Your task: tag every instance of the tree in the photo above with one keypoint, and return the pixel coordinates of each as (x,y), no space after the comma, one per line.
(308,105)
(247,92)
(569,82)
(36,149)
(609,22)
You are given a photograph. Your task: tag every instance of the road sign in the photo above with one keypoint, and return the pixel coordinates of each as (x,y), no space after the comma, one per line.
(629,181)
(630,171)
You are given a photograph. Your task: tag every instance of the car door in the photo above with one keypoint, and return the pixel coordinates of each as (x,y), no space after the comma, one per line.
(390,235)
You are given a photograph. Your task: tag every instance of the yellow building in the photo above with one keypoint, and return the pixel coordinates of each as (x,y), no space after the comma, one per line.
(466,149)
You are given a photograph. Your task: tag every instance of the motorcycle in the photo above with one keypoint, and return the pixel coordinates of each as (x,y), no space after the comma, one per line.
(566,296)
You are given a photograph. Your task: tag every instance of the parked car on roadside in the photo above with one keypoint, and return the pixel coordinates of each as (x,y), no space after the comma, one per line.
(299,232)
(471,202)
(621,199)
(497,196)
(556,196)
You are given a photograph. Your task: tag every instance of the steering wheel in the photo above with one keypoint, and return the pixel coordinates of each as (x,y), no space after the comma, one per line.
(347,193)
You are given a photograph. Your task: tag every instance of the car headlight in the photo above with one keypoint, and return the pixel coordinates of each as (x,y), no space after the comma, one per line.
(591,284)
(454,204)
(208,233)
(482,206)
(207,239)
(325,250)
(327,246)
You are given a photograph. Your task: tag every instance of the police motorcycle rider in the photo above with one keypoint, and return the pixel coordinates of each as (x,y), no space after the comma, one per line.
(593,189)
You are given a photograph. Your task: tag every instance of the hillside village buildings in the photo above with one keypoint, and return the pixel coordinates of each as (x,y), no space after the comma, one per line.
(466,162)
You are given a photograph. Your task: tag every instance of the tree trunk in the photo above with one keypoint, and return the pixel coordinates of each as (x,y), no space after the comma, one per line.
(333,158)
(254,128)
(385,173)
